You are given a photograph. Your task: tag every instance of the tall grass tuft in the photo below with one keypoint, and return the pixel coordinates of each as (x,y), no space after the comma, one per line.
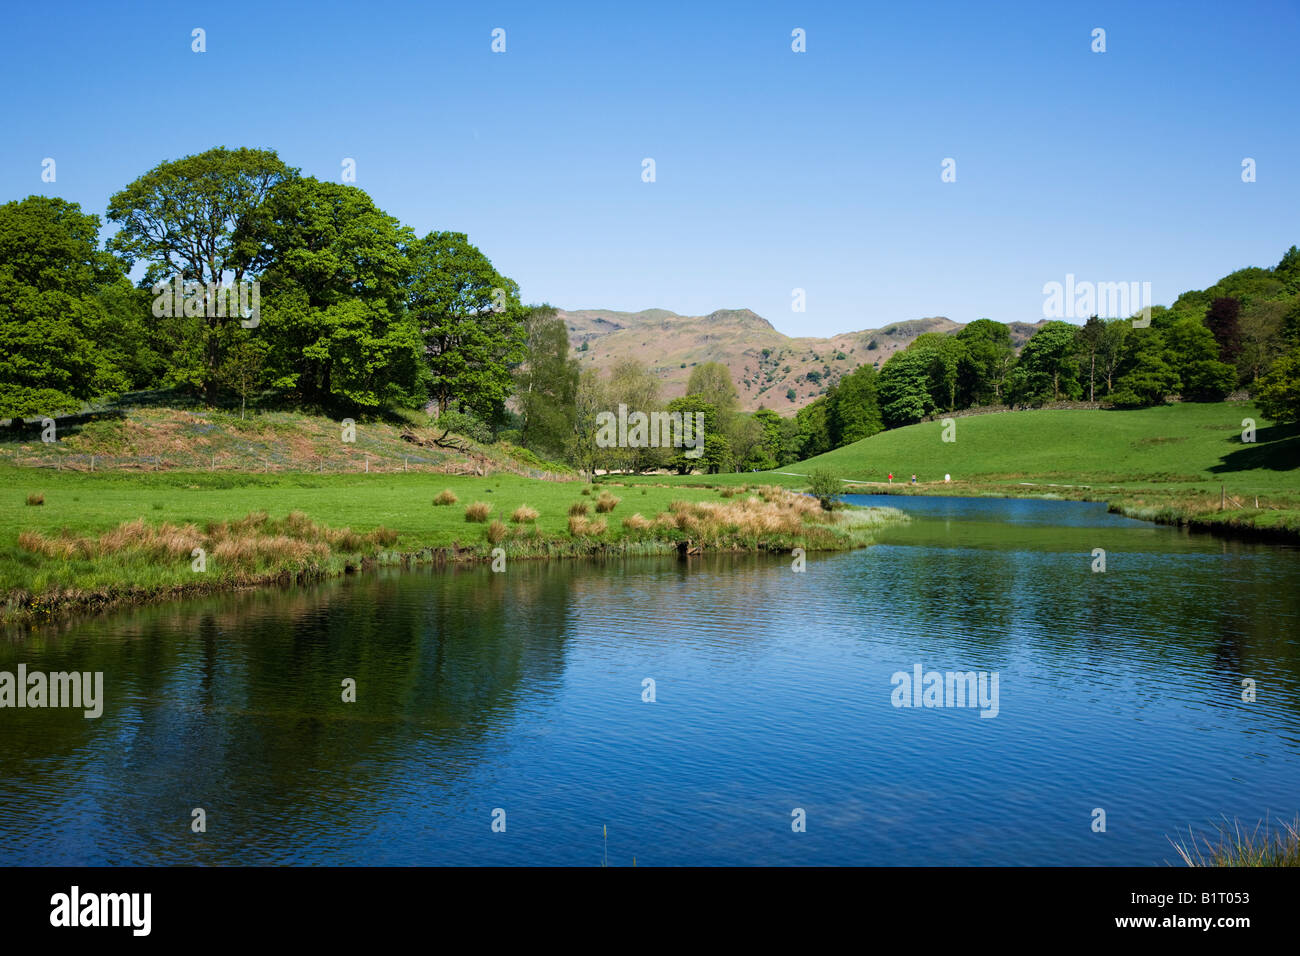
(1260,847)
(478,511)
(578,509)
(35,499)
(637,523)
(524,515)
(496,531)
(606,503)
(446,497)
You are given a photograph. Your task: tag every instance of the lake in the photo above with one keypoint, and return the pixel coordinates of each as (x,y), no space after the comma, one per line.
(774,692)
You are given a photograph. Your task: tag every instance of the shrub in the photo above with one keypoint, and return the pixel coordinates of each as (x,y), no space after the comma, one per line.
(636,523)
(445,497)
(524,515)
(825,487)
(581,527)
(35,499)
(478,511)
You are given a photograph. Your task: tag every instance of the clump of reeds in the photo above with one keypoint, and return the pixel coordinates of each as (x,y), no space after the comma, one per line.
(578,509)
(586,490)
(478,511)
(496,531)
(446,497)
(637,523)
(242,544)
(581,527)
(524,515)
(606,503)
(35,499)
(1263,846)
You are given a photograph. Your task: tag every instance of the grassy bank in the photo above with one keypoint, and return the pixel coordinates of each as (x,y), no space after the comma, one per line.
(1265,845)
(106,538)
(1179,464)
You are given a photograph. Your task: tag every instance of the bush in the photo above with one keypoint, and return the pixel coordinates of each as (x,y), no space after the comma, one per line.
(580,526)
(825,487)
(464,424)
(524,515)
(445,497)
(478,511)
(636,523)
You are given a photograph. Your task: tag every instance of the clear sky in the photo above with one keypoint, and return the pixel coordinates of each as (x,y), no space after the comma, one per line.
(775,170)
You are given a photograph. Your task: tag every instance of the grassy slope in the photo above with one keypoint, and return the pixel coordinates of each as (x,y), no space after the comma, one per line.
(1164,463)
(148,438)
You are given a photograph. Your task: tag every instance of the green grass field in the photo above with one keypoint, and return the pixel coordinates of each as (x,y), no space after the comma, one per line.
(1165,463)
(76,506)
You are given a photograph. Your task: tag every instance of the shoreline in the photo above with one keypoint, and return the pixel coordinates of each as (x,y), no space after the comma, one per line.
(1139,505)
(22,608)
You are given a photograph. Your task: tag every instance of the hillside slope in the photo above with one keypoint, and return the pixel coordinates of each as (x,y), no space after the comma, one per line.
(1190,446)
(764,363)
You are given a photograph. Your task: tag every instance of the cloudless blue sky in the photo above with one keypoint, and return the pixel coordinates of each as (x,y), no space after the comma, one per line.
(775,170)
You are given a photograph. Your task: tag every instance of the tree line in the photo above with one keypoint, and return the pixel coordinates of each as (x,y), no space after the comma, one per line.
(360,315)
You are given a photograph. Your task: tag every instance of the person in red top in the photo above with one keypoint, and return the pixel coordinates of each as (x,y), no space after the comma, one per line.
(891,477)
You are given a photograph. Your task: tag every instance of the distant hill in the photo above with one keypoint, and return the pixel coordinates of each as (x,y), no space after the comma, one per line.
(764,363)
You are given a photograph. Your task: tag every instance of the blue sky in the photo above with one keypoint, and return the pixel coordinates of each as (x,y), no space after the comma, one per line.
(775,170)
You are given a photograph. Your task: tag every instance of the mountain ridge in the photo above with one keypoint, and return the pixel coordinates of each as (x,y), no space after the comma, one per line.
(765,364)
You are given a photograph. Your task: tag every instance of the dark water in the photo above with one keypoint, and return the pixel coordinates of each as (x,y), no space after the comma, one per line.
(523,691)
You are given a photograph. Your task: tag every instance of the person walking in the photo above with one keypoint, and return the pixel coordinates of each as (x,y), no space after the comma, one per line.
(913,477)
(891,477)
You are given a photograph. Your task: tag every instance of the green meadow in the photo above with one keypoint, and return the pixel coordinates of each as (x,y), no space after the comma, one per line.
(1168,463)
(97,539)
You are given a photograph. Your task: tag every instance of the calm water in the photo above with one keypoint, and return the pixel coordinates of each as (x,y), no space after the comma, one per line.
(523,691)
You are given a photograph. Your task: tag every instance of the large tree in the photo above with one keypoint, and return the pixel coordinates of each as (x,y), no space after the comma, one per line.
(470,320)
(54,281)
(982,371)
(546,384)
(1048,369)
(193,218)
(854,408)
(335,314)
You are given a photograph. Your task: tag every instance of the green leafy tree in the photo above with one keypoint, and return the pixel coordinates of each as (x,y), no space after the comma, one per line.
(634,385)
(334,316)
(1148,376)
(825,487)
(904,388)
(988,359)
(854,407)
(52,277)
(470,320)
(1048,369)
(1190,349)
(590,400)
(716,454)
(243,368)
(194,218)
(812,436)
(767,453)
(546,385)
(1278,393)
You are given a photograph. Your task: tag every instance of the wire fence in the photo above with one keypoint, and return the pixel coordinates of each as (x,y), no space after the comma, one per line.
(53,458)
